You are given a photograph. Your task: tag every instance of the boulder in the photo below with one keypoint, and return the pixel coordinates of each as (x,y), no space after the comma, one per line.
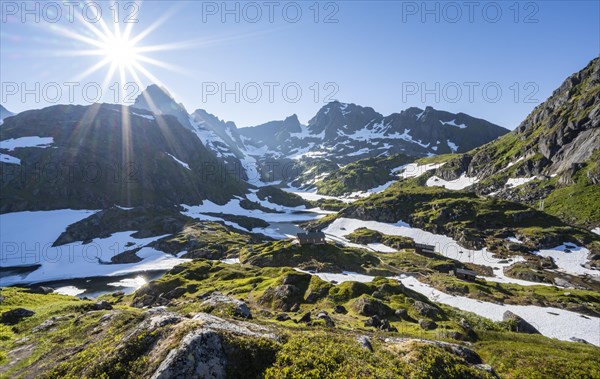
(427,324)
(518,324)
(325,317)
(14,316)
(282,297)
(425,309)
(560,282)
(305,317)
(199,355)
(365,342)
(102,305)
(402,314)
(386,326)
(339,309)
(202,353)
(282,317)
(41,290)
(370,307)
(175,293)
(465,353)
(373,321)
(217,300)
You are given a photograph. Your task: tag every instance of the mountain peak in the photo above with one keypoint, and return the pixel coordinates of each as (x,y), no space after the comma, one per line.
(158,100)
(4,113)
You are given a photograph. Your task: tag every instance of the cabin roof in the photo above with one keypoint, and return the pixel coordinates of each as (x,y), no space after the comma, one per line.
(465,272)
(311,235)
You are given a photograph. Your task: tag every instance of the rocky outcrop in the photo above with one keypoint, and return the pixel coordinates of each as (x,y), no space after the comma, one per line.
(366,306)
(560,138)
(15,315)
(426,310)
(518,324)
(205,352)
(217,300)
(282,297)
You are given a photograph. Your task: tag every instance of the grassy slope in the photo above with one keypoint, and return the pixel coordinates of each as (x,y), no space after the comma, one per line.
(361,175)
(90,343)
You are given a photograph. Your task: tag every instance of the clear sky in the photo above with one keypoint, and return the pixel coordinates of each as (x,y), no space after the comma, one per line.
(389,55)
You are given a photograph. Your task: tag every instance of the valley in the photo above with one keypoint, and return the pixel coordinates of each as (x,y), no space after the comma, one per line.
(450,247)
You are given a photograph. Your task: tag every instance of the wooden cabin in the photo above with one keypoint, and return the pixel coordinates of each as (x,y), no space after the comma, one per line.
(311,238)
(465,274)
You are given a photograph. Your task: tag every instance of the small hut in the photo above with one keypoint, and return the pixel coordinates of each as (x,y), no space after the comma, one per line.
(465,274)
(311,238)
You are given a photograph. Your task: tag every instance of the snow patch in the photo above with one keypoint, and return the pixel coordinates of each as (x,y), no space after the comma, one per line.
(146,116)
(452,146)
(9,159)
(23,245)
(461,183)
(453,123)
(231,261)
(570,258)
(345,276)
(31,141)
(182,163)
(69,290)
(515,182)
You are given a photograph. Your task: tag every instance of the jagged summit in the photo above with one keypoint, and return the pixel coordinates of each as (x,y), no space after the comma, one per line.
(4,113)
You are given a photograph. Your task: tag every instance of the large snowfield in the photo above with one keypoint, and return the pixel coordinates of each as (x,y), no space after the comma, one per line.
(27,239)
(569,262)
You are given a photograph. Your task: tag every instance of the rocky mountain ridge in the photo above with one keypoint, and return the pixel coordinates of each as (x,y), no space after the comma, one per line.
(551,159)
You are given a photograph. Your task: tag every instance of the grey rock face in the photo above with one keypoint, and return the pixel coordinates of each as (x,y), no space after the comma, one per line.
(337,127)
(199,355)
(202,353)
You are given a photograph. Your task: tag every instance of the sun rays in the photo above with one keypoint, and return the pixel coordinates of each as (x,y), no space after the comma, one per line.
(121,52)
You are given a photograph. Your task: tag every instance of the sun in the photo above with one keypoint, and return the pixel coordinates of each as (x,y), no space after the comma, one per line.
(120,51)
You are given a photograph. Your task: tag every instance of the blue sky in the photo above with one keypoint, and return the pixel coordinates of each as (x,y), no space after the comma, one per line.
(389,55)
